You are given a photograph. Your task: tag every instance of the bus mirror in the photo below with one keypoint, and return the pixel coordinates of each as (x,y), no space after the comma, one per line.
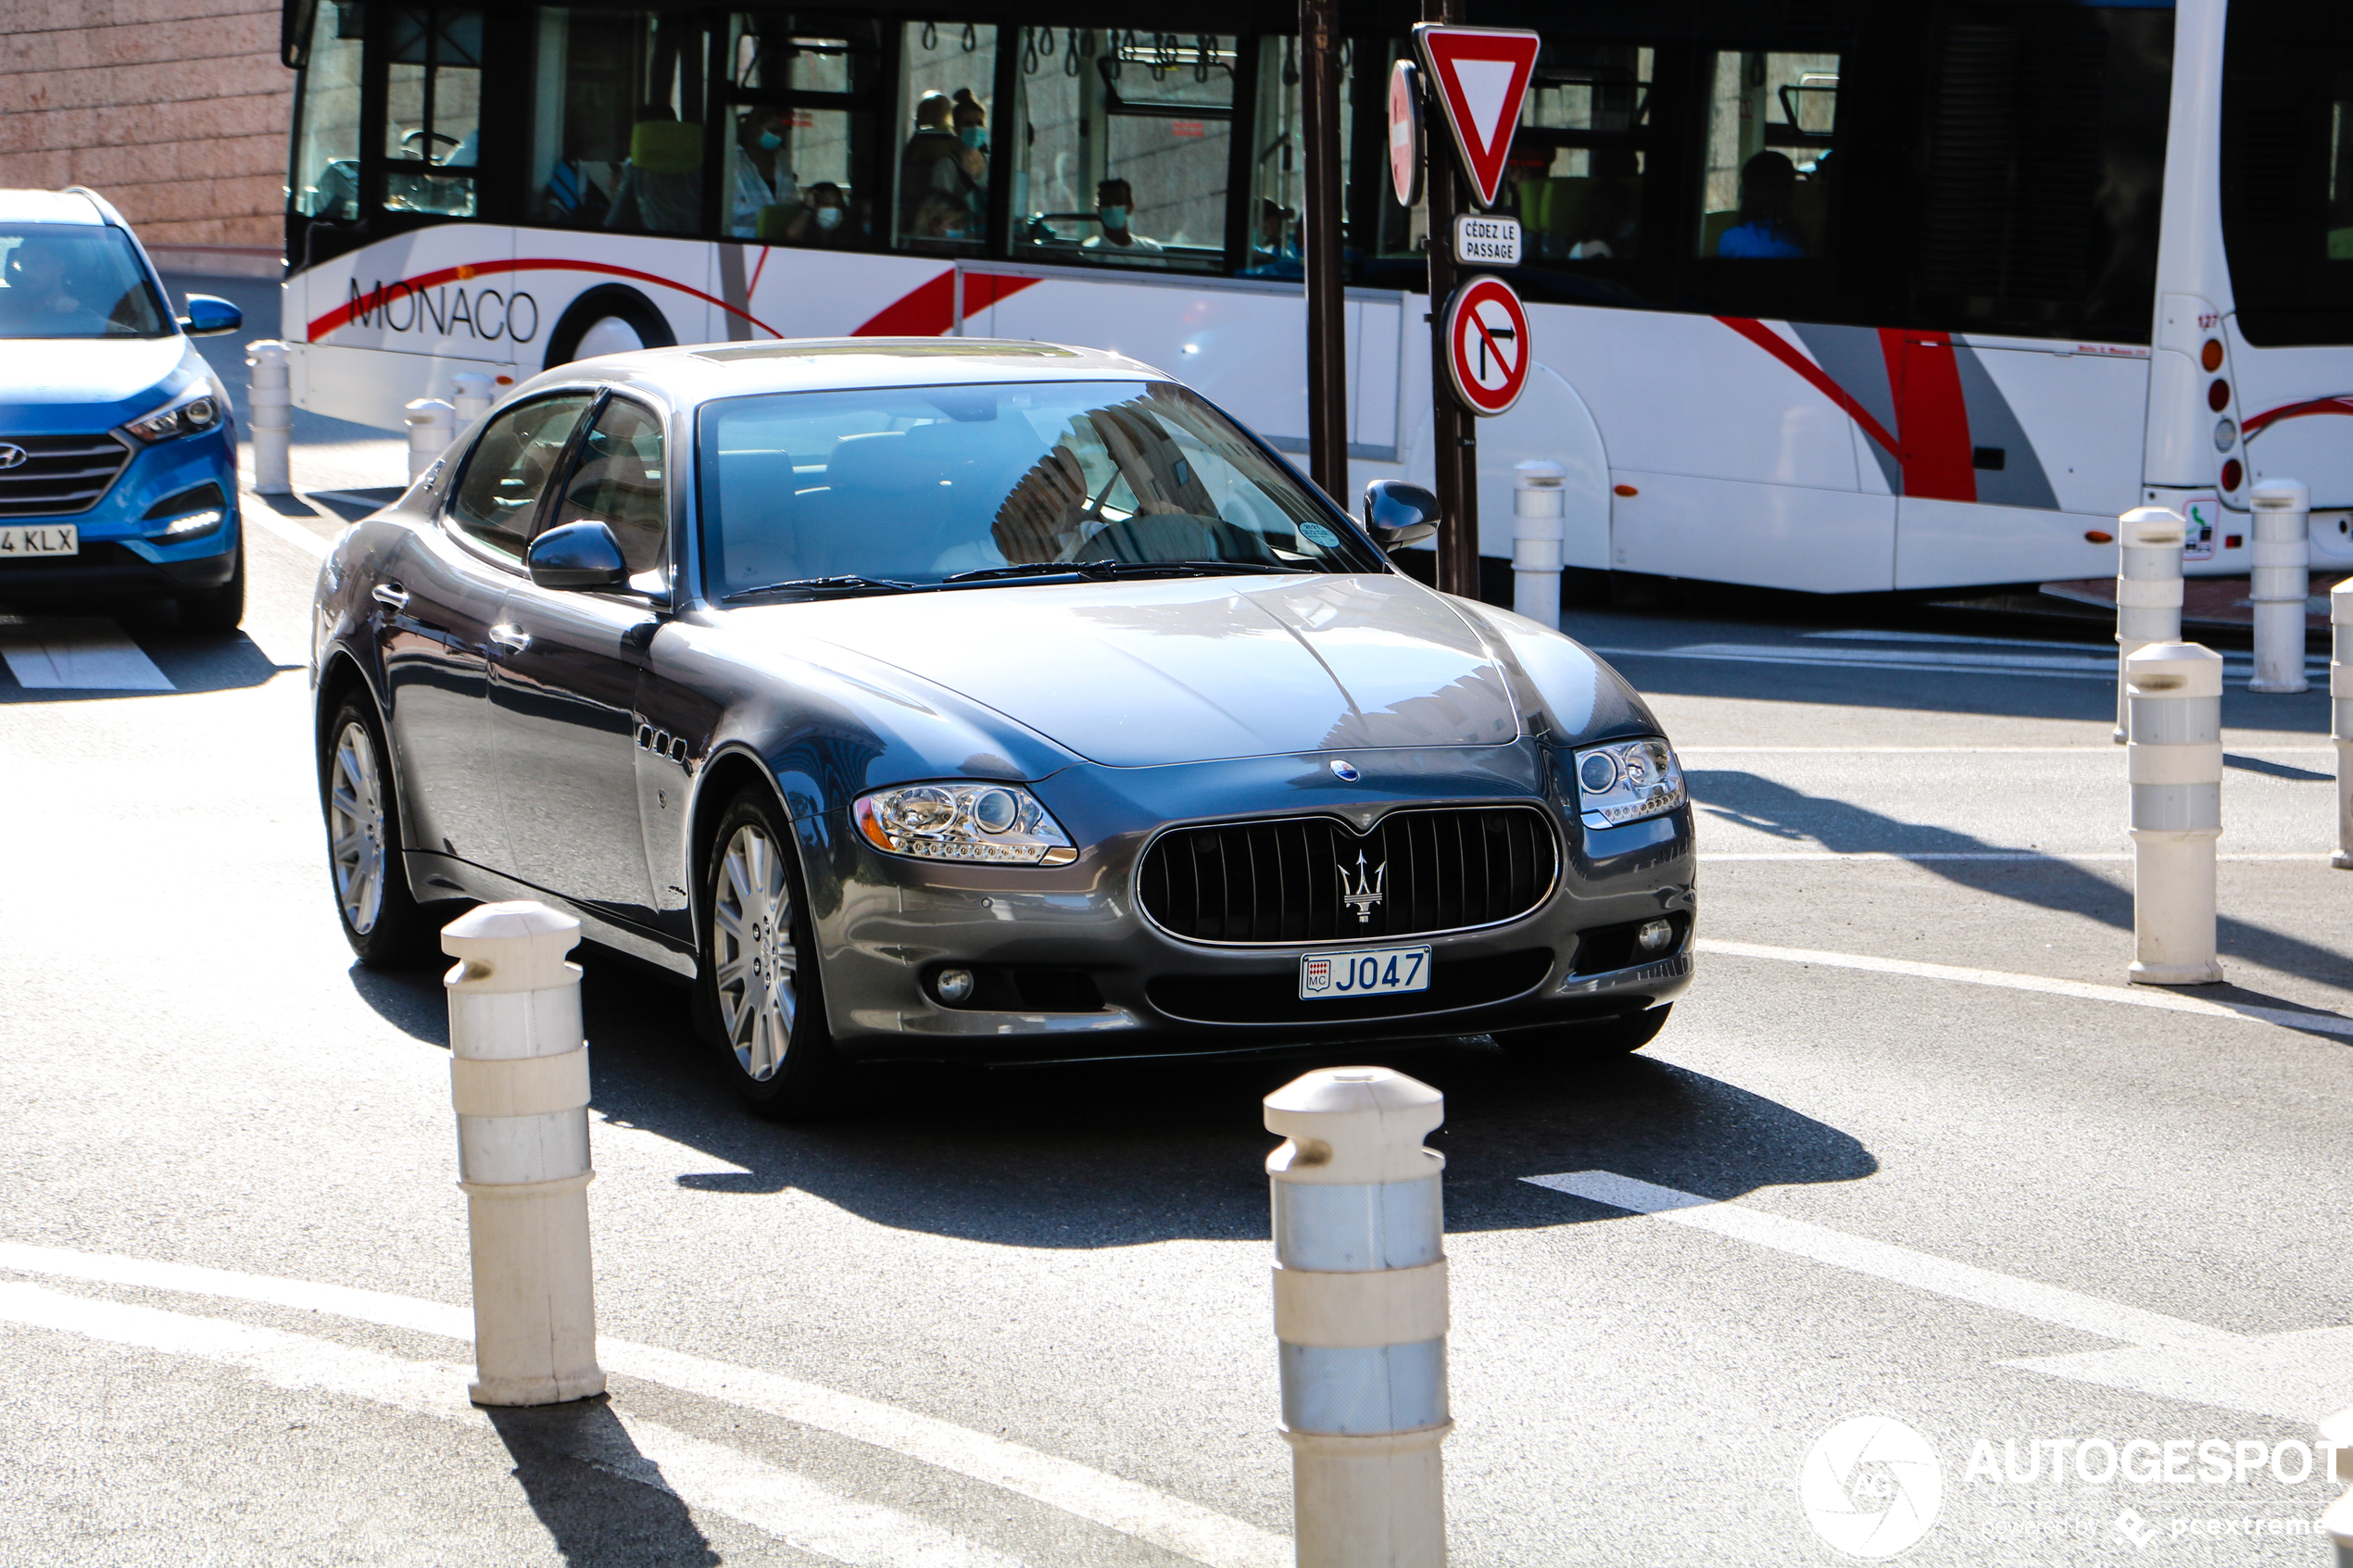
(1397,513)
(578,555)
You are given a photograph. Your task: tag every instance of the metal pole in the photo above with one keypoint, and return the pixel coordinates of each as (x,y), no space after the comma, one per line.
(1326,302)
(1454,430)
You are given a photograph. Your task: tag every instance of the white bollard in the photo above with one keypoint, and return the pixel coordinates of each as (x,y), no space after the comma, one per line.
(519,1075)
(1360,1315)
(271,407)
(2341,716)
(433,425)
(2281,583)
(2148,588)
(2337,1521)
(1539,521)
(471,395)
(2174,763)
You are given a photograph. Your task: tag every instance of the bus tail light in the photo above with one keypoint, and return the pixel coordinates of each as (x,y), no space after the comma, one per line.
(2211,354)
(2218,395)
(2231,474)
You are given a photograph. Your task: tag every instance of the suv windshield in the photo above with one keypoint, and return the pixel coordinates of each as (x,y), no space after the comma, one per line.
(74,280)
(918,485)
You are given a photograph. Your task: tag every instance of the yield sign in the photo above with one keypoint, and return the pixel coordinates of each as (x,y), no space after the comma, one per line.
(1487,349)
(1482,75)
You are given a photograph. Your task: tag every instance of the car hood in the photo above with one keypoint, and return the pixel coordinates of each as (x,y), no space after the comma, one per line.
(1193,670)
(50,384)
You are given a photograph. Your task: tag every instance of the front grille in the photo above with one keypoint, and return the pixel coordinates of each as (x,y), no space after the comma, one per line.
(60,474)
(1314,879)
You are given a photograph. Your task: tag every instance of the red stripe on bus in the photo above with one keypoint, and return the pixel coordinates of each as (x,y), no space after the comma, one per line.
(2341,403)
(1819,379)
(1931,415)
(374,300)
(929,310)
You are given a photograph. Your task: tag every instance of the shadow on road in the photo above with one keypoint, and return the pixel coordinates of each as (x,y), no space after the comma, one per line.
(566,1457)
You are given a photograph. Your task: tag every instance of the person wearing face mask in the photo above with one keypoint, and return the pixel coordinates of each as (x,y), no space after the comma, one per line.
(825,219)
(1114,204)
(930,167)
(972,158)
(758,177)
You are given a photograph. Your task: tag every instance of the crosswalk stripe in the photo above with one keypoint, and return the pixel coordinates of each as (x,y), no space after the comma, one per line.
(1921,1270)
(53,653)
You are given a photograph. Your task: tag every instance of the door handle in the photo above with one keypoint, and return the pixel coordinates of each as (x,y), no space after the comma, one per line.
(392,596)
(514,639)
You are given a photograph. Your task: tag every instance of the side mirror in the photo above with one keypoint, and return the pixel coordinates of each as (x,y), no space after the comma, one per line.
(209,317)
(1397,513)
(578,555)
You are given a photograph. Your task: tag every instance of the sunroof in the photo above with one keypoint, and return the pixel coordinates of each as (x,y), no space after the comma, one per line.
(885,348)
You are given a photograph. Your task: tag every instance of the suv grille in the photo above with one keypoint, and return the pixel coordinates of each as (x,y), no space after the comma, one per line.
(1313,879)
(60,474)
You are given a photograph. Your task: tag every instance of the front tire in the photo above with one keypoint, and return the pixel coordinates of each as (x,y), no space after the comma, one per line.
(357,791)
(760,1000)
(1592,1041)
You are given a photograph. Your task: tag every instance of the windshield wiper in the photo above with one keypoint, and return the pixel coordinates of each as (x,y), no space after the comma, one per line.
(1108,569)
(846,585)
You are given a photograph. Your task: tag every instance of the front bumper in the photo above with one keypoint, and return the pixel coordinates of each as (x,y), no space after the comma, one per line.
(1069,967)
(120,554)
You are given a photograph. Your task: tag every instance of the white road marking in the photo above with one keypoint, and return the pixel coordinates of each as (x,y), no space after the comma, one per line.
(1964,1281)
(703,1475)
(2088,666)
(2096,748)
(2129,995)
(292,533)
(2299,1376)
(55,653)
(2315,856)
(1128,1507)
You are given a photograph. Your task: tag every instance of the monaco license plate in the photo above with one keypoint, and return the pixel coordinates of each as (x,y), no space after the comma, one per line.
(63,539)
(1374,971)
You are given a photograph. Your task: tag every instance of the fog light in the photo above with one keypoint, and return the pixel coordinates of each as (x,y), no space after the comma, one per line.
(1655,935)
(954,986)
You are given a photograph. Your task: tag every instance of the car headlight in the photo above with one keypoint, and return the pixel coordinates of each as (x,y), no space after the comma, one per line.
(964,822)
(1628,780)
(184,415)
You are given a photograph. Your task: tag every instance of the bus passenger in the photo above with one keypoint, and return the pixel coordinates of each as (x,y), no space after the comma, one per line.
(937,169)
(1768,181)
(757,176)
(1114,201)
(825,219)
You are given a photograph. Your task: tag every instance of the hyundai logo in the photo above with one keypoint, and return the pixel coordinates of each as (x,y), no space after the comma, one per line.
(1345,770)
(12,457)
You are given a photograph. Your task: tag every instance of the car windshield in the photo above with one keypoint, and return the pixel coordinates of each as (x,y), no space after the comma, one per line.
(859,491)
(74,280)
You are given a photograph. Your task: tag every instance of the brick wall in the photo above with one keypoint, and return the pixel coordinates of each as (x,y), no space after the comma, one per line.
(174,110)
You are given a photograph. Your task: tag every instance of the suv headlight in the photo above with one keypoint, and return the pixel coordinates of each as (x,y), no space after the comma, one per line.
(1628,780)
(964,822)
(196,410)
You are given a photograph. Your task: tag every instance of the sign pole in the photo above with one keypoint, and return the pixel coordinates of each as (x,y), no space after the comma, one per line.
(1326,301)
(1453,432)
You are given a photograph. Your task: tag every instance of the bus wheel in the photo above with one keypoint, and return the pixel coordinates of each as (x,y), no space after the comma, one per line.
(610,320)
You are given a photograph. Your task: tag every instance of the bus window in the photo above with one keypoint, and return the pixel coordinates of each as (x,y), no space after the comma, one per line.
(801,156)
(1770,117)
(1124,148)
(1278,167)
(433,110)
(1576,171)
(617,131)
(947,81)
(326,156)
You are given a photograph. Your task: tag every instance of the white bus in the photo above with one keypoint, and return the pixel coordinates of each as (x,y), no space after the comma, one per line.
(1833,295)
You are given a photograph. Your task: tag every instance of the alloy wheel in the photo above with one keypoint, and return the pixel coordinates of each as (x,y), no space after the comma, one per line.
(758,967)
(356,828)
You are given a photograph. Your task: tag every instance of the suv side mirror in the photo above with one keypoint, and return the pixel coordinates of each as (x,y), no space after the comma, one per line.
(209,317)
(1397,513)
(578,555)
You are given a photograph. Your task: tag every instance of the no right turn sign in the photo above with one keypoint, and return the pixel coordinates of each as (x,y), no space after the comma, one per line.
(1487,348)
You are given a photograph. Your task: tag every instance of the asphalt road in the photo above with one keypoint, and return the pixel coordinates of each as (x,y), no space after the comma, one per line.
(1908,1151)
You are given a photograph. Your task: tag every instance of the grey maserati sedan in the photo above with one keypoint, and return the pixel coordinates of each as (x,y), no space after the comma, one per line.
(994,702)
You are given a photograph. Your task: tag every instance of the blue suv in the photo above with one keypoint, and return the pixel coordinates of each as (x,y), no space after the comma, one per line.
(118,451)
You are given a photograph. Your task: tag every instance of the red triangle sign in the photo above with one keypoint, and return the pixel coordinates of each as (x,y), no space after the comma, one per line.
(1480,75)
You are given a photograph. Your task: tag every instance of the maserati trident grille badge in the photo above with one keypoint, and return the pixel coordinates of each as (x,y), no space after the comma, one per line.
(1345,770)
(1370,886)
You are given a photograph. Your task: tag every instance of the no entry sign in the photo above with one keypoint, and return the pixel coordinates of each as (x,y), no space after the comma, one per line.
(1487,348)
(1406,132)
